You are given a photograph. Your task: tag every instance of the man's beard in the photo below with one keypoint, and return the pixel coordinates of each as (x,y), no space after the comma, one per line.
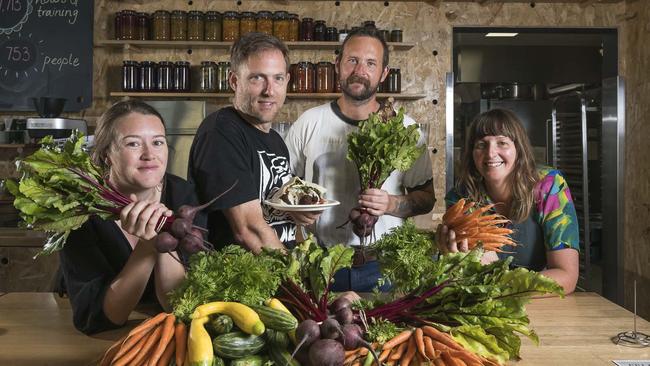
(366,94)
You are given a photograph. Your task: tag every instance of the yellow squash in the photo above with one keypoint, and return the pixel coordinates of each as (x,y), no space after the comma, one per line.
(199,344)
(244,317)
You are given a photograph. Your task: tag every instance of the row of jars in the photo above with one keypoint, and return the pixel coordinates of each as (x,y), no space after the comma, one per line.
(307,77)
(167,76)
(195,25)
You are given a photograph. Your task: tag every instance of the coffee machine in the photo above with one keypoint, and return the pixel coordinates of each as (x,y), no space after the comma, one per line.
(49,122)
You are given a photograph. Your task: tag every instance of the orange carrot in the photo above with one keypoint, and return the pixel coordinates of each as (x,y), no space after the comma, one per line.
(384,354)
(168,354)
(349,359)
(180,336)
(399,351)
(454,211)
(409,354)
(149,323)
(351,352)
(441,337)
(402,337)
(429,350)
(449,360)
(151,342)
(419,341)
(439,362)
(132,352)
(110,353)
(167,333)
(469,358)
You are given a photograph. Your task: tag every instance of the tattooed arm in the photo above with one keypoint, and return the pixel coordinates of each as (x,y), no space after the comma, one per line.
(417,201)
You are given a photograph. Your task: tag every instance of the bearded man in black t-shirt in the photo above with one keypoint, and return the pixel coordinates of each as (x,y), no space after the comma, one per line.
(237,144)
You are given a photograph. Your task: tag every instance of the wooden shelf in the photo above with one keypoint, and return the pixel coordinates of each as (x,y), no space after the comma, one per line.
(396,46)
(228,95)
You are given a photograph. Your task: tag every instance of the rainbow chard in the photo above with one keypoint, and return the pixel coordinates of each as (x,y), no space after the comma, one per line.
(60,188)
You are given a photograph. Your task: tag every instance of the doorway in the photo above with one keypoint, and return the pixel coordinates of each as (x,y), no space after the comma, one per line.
(564,86)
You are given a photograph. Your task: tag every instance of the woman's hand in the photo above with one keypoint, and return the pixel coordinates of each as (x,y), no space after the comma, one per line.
(447,243)
(141,218)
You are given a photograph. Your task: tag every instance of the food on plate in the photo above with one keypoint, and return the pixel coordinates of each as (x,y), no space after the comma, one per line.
(299,192)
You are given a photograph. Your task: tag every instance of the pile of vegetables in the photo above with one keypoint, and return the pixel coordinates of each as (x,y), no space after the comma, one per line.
(381,145)
(60,188)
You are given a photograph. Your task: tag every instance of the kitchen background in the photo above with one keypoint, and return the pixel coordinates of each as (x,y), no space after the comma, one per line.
(429,27)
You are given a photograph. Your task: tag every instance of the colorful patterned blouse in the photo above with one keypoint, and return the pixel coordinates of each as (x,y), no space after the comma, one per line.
(552,224)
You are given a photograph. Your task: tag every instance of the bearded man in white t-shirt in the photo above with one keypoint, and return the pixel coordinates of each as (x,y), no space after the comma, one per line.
(317,144)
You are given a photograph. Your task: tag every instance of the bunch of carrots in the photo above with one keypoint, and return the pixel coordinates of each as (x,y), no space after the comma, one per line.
(478,227)
(153,343)
(421,346)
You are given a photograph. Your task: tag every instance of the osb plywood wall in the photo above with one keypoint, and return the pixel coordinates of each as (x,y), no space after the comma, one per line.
(636,70)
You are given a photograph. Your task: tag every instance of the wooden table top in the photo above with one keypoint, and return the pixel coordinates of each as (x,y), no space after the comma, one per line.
(36,329)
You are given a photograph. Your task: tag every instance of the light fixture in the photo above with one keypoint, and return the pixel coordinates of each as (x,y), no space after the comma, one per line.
(501,34)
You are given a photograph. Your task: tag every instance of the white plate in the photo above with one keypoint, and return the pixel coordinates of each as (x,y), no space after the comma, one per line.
(285,207)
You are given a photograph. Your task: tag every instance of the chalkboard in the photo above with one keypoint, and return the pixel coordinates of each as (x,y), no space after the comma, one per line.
(46,50)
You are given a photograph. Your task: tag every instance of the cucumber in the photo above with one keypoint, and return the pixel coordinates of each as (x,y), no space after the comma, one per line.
(276,319)
(220,324)
(276,338)
(235,345)
(281,357)
(252,360)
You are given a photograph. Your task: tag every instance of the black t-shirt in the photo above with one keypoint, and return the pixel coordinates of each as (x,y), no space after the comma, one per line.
(226,149)
(97,252)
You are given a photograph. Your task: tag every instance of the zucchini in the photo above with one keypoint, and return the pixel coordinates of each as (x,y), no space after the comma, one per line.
(252,360)
(281,357)
(220,324)
(276,319)
(276,338)
(218,361)
(237,345)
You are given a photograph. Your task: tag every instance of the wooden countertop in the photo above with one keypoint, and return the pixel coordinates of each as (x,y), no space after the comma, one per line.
(36,329)
(16,237)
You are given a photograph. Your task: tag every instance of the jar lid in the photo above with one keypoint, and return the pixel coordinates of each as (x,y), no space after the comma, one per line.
(324,63)
(320,22)
(212,13)
(128,11)
(143,14)
(179,13)
(161,12)
(396,31)
(147,63)
(331,29)
(304,63)
(293,15)
(196,13)
(224,63)
(247,14)
(307,19)
(165,63)
(281,14)
(130,63)
(182,63)
(367,23)
(231,14)
(208,63)
(264,14)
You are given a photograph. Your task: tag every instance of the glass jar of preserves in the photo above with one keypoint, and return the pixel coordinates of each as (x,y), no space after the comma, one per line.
(343,33)
(118,25)
(304,77)
(264,22)
(319,30)
(294,27)
(181,76)
(147,76)
(208,77)
(281,25)
(385,35)
(164,78)
(324,77)
(307,29)
(130,76)
(179,25)
(142,27)
(291,88)
(247,22)
(212,26)
(395,81)
(331,34)
(195,25)
(223,69)
(230,26)
(161,25)
(396,35)
(128,24)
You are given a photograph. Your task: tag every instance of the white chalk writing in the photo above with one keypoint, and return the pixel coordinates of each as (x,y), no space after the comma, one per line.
(59,62)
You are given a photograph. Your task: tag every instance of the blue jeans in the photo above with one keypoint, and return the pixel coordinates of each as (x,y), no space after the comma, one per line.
(359,279)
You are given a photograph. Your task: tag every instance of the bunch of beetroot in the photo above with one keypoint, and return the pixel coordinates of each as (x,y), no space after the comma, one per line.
(381,145)
(325,343)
